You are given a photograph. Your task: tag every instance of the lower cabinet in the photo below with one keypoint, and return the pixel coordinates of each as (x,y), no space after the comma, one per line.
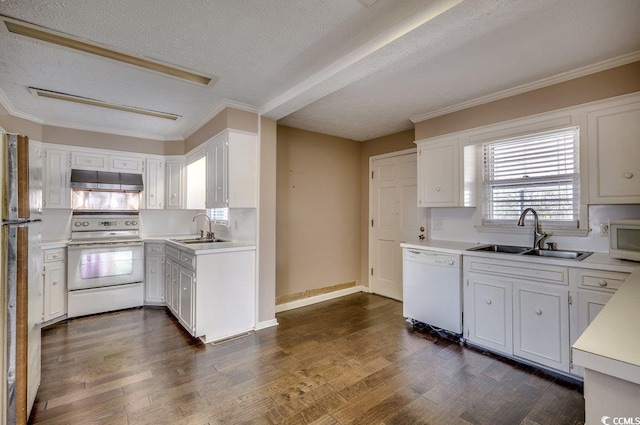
(541,325)
(212,295)
(487,312)
(154,274)
(55,284)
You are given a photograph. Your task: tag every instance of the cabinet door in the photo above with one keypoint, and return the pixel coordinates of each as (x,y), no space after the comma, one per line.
(154,184)
(220,189)
(175,288)
(487,312)
(210,177)
(167,283)
(541,325)
(90,161)
(55,290)
(438,174)
(186,282)
(57,189)
(614,150)
(126,164)
(589,306)
(154,280)
(175,184)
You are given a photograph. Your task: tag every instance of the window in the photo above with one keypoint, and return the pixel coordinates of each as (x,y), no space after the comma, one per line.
(536,170)
(219,215)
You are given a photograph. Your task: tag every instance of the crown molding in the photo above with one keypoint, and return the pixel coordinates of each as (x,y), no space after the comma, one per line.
(545,82)
(221,106)
(4,101)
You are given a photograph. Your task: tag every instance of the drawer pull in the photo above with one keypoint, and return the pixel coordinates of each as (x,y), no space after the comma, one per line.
(602,282)
(488,301)
(538,312)
(628,175)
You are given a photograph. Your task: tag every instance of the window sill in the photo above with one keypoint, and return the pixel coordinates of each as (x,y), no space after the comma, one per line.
(577,232)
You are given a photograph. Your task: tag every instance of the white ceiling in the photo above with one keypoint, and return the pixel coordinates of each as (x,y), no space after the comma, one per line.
(332,66)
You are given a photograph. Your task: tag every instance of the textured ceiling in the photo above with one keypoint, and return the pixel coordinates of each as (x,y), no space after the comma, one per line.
(332,66)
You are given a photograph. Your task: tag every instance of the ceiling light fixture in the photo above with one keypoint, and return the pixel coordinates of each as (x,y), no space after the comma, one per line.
(65,40)
(94,102)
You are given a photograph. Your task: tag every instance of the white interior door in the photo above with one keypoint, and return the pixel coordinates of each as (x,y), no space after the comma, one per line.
(394,218)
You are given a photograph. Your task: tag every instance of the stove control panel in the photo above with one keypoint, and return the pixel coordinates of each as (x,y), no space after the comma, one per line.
(97,223)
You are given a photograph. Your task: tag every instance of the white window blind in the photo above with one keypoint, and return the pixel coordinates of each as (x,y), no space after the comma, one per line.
(219,215)
(537,170)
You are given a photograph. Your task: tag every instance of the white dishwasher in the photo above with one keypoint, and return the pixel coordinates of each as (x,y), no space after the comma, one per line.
(432,288)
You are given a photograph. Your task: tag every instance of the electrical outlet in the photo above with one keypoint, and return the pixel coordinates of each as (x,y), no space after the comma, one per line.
(436,223)
(604,230)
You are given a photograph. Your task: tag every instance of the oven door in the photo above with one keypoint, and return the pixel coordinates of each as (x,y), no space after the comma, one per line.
(100,265)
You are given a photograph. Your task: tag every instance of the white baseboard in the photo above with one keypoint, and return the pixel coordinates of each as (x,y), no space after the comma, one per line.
(319,298)
(266,324)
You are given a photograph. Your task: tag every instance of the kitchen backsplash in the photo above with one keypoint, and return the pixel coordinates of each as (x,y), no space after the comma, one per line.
(242,226)
(458,224)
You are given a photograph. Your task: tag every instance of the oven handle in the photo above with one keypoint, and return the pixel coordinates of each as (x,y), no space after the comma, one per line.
(105,245)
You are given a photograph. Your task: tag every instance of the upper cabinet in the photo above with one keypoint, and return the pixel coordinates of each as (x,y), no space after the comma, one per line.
(175,183)
(97,161)
(232,170)
(614,154)
(57,175)
(445,173)
(154,183)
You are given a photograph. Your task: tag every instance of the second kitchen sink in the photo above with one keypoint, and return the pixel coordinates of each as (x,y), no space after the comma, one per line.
(524,250)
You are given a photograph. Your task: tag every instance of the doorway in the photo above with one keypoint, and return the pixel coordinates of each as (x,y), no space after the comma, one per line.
(394,217)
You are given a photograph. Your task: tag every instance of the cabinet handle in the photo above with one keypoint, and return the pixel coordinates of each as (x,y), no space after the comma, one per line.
(151,195)
(437,189)
(174,195)
(538,312)
(602,282)
(184,289)
(628,175)
(488,301)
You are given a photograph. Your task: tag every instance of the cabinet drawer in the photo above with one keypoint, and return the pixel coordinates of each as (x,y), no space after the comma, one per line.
(531,271)
(597,279)
(172,252)
(154,248)
(188,260)
(53,255)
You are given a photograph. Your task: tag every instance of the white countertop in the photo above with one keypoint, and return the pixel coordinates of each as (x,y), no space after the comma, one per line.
(611,343)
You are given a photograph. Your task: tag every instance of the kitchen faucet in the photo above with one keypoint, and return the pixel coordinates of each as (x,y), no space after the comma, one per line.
(209,233)
(537,236)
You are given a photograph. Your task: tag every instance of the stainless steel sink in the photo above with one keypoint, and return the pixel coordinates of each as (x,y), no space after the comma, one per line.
(569,255)
(524,250)
(197,240)
(506,249)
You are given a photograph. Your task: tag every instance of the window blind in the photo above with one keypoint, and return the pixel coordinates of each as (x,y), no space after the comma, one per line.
(538,171)
(219,215)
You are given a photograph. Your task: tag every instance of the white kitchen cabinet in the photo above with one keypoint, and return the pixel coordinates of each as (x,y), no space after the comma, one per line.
(154,183)
(106,161)
(57,177)
(438,173)
(175,183)
(541,324)
(488,312)
(614,168)
(232,163)
(154,274)
(186,288)
(213,294)
(55,284)
(167,282)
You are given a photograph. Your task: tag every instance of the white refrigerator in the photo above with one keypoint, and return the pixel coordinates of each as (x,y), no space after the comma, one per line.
(21,270)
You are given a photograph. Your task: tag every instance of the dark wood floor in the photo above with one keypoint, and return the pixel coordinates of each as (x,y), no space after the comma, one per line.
(350,360)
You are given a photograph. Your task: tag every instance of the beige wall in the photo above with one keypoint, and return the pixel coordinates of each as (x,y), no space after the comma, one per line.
(228,118)
(381,145)
(90,139)
(602,85)
(318,219)
(267,222)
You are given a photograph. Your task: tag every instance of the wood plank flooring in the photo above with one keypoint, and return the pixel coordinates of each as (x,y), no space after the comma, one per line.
(352,360)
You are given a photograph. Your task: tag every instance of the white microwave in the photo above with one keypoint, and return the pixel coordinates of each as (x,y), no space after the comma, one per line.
(624,239)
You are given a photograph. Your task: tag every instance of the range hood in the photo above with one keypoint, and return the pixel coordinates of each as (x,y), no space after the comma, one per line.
(105,180)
